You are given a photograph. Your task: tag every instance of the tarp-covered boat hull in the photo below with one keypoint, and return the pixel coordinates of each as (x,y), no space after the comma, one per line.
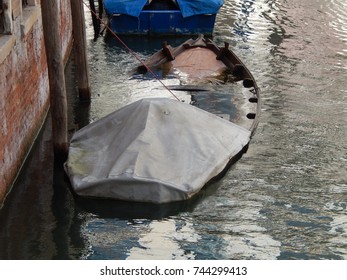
(181,17)
(161,150)
(154,150)
(187,7)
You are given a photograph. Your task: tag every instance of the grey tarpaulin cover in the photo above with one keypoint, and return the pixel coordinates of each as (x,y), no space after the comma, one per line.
(153,150)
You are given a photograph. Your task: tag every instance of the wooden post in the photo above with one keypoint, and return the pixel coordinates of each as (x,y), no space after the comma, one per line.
(50,22)
(80,46)
(96,23)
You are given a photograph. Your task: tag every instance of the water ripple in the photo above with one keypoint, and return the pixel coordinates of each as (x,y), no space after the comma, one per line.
(337,12)
(286,198)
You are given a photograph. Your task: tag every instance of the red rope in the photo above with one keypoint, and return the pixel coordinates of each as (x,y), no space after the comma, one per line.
(130,50)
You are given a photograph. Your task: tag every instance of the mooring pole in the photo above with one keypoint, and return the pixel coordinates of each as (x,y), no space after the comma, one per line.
(58,102)
(101,7)
(80,46)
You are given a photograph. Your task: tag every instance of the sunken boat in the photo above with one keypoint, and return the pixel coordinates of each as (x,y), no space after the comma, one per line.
(162,17)
(159,149)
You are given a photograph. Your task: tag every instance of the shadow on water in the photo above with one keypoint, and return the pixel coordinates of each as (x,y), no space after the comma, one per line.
(38,220)
(104,208)
(42,218)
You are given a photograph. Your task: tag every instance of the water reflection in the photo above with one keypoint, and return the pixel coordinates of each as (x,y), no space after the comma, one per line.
(40,222)
(160,242)
(280,200)
(338,232)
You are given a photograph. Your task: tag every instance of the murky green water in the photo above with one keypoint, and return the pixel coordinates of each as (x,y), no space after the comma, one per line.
(285,199)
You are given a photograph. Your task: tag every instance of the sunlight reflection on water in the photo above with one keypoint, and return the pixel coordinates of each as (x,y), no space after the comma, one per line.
(274,203)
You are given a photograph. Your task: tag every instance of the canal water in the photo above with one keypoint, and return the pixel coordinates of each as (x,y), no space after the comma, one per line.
(286,198)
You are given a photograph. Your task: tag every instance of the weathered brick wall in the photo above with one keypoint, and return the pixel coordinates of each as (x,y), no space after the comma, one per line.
(24,91)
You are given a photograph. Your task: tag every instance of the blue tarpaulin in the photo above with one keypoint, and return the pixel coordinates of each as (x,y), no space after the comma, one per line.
(127,7)
(198,7)
(187,7)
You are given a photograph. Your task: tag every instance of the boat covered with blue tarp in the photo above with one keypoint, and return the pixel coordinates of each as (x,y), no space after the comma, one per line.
(162,17)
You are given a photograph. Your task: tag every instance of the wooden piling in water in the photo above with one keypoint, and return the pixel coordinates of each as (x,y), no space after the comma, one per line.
(80,47)
(96,23)
(58,102)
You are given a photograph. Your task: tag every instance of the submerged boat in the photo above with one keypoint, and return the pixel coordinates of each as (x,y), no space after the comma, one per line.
(162,150)
(162,17)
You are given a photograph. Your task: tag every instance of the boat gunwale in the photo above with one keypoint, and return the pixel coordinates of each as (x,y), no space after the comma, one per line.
(224,54)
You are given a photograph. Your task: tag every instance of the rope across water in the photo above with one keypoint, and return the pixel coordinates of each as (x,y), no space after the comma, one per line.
(130,50)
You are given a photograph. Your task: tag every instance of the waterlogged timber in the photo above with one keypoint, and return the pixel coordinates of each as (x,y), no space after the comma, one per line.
(58,101)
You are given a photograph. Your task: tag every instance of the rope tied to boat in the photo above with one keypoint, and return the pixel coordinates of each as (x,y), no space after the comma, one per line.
(129,49)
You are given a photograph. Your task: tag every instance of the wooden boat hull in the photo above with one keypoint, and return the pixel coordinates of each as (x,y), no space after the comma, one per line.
(200,62)
(154,150)
(160,150)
